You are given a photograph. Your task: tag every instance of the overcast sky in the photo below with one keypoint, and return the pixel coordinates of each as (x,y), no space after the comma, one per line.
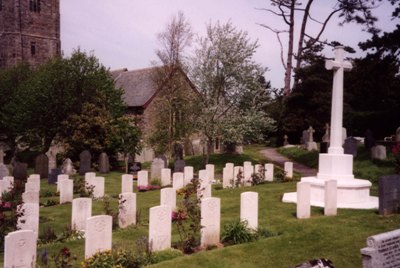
(122,33)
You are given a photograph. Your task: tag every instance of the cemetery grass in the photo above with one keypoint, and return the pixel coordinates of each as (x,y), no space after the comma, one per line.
(294,241)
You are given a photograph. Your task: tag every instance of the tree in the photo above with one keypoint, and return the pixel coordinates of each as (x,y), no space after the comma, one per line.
(291,11)
(225,74)
(173,109)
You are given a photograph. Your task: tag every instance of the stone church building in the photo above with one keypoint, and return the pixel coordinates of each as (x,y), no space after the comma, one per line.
(29,31)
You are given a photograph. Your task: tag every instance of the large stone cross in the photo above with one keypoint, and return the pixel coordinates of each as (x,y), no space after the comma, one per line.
(339,65)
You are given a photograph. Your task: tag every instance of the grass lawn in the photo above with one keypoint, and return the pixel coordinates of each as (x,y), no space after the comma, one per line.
(337,238)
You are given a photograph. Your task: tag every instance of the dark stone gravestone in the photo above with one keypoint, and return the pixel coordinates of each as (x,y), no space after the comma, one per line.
(104,163)
(3,171)
(20,171)
(52,179)
(369,140)
(350,146)
(135,167)
(42,165)
(389,194)
(383,250)
(85,163)
(178,151)
(179,165)
(323,147)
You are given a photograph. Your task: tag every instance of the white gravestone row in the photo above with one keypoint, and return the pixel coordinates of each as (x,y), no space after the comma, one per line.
(127,183)
(165,177)
(230,173)
(127,209)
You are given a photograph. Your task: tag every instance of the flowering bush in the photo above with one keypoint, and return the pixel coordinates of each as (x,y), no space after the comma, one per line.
(396,154)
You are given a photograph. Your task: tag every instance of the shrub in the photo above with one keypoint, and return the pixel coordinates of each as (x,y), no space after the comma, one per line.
(48,235)
(237,232)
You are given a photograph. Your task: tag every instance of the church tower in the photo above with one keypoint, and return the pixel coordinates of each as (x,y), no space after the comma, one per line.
(29,31)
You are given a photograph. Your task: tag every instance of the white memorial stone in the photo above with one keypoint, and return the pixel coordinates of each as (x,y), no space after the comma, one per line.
(98,235)
(249,209)
(303,200)
(127,183)
(66,191)
(29,220)
(269,172)
(127,209)
(227,177)
(247,163)
(9,180)
(177,180)
(210,171)
(166,177)
(238,172)
(160,228)
(288,168)
(188,175)
(248,170)
(81,210)
(204,190)
(98,190)
(156,165)
(31,187)
(30,197)
(203,176)
(143,178)
(62,177)
(210,221)
(330,198)
(35,180)
(168,197)
(20,249)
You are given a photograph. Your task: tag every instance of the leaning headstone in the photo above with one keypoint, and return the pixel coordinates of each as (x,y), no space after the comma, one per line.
(66,191)
(288,168)
(160,228)
(383,250)
(42,165)
(330,208)
(210,221)
(187,175)
(350,146)
(249,209)
(104,163)
(269,172)
(389,194)
(179,165)
(30,197)
(81,210)
(210,171)
(127,209)
(85,162)
(52,179)
(177,180)
(168,197)
(59,179)
(156,166)
(143,178)
(20,171)
(68,167)
(98,235)
(127,183)
(3,171)
(378,152)
(20,249)
(165,177)
(29,219)
(303,200)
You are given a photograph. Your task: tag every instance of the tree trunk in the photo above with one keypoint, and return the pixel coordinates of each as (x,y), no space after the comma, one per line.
(289,60)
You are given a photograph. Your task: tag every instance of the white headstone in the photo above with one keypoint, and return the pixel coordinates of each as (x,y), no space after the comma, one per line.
(98,235)
(143,178)
(248,170)
(165,177)
(288,168)
(204,190)
(177,180)
(30,218)
(98,183)
(35,180)
(249,209)
(160,228)
(127,209)
(31,187)
(210,171)
(30,197)
(127,183)
(236,171)
(81,210)
(66,191)
(303,200)
(188,175)
(269,172)
(330,198)
(60,178)
(168,197)
(210,221)
(258,169)
(203,176)
(247,163)
(156,165)
(20,249)
(227,177)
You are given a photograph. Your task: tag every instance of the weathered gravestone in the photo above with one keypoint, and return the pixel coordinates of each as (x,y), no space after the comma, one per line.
(156,166)
(53,175)
(210,221)
(350,146)
(389,194)
(249,209)
(3,171)
(81,210)
(52,160)
(98,234)
(20,171)
(383,250)
(378,152)
(179,165)
(127,209)
(104,163)
(42,165)
(160,228)
(68,167)
(85,162)
(20,249)
(304,137)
